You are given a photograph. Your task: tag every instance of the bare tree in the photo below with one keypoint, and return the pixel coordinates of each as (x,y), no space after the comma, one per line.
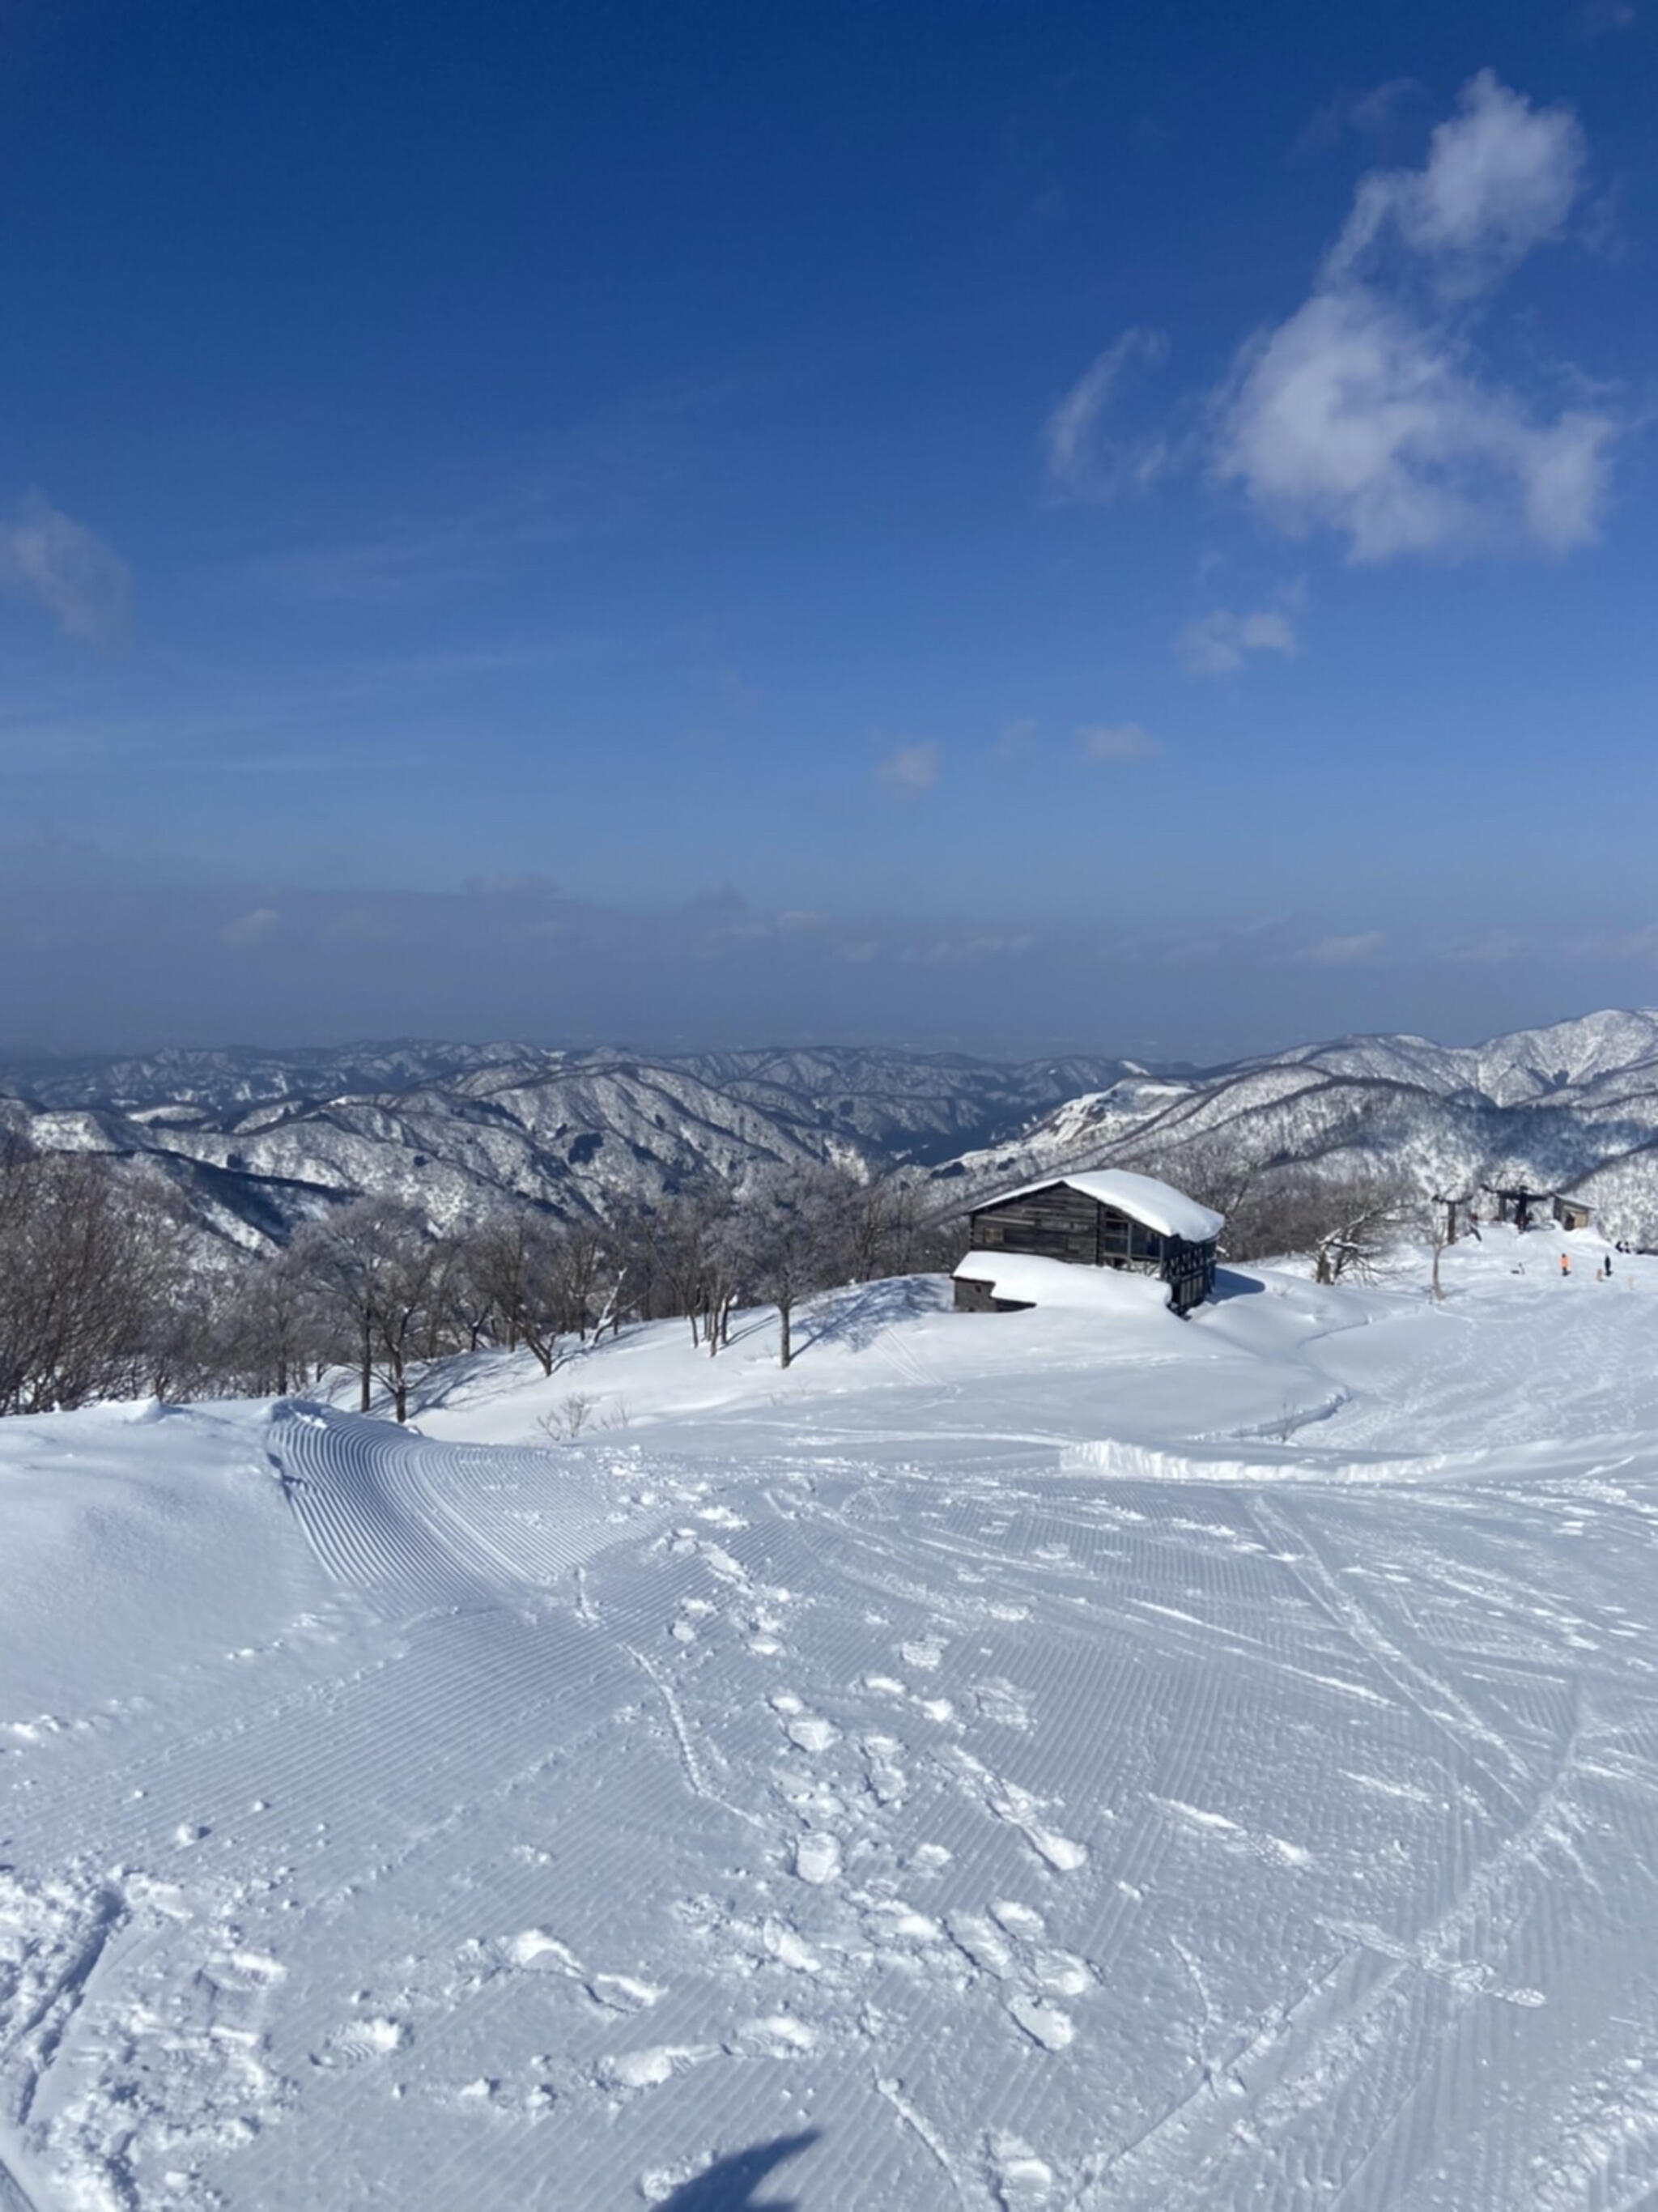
(1437,1225)
(94,1270)
(795,1218)
(275,1331)
(1361,1221)
(377,1275)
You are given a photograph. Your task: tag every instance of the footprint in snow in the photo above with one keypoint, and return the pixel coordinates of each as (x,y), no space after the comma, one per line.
(361,2040)
(779,2035)
(1002,1703)
(621,1993)
(1023,2181)
(649,2069)
(541,1953)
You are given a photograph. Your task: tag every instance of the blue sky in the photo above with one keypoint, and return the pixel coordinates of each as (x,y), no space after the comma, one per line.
(992,526)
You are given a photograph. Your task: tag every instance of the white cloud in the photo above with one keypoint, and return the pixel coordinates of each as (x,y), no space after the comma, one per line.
(47,557)
(1354,416)
(257,927)
(1343,952)
(969,951)
(1219,643)
(1492,948)
(1500,178)
(911,768)
(1085,464)
(1367,412)
(1116,741)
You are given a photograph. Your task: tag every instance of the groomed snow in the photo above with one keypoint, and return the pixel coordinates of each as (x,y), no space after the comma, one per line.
(1042,1760)
(1157,1205)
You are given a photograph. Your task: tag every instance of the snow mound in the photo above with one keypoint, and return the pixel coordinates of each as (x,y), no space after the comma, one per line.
(1032,1281)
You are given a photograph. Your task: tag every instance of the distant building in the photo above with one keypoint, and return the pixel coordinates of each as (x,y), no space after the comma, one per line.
(1100,1219)
(1525,1207)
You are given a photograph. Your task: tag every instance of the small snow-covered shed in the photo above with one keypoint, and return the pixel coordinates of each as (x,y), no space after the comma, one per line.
(1099,1217)
(1573,1212)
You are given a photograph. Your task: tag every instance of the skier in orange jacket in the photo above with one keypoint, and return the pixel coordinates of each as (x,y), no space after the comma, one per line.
(1565,1264)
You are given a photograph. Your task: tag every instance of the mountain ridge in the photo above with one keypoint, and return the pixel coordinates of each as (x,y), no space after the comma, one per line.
(259,1141)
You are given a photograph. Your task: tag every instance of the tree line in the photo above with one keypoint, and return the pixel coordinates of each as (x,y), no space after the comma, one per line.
(107,1291)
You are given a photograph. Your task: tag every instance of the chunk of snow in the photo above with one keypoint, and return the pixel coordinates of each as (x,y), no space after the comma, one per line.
(1031,1280)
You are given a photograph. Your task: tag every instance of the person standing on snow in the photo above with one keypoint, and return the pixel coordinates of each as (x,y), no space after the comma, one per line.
(1565,1264)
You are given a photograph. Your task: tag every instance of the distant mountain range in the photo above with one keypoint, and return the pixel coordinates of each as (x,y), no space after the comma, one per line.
(1573,1107)
(259,1141)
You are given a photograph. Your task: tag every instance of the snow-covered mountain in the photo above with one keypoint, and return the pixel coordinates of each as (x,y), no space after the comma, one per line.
(1571,1107)
(261,1140)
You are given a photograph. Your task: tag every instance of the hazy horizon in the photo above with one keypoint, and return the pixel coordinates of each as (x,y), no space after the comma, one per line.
(668,1043)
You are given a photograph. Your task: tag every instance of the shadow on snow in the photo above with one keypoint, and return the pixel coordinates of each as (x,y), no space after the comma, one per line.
(731,2185)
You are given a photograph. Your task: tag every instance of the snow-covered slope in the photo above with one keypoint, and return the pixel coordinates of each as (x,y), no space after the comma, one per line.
(1005,1762)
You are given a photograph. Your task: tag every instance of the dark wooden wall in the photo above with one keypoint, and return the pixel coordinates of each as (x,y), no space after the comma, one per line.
(1056,1224)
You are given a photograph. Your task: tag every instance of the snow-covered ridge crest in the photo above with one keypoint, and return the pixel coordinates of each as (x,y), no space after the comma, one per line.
(259,1142)
(1574,1107)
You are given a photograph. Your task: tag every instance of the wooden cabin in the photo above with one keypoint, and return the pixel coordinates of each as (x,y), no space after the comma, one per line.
(1573,1212)
(1106,1217)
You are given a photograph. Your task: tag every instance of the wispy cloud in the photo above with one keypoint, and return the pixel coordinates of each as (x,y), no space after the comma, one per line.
(1491,948)
(1499,179)
(1219,643)
(606,477)
(1344,952)
(46,557)
(911,767)
(256,927)
(1635,946)
(1081,460)
(1116,741)
(1366,412)
(1372,112)
(971,951)
(1594,19)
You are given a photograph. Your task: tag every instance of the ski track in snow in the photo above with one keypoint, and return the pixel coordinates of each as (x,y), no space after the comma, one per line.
(931,1823)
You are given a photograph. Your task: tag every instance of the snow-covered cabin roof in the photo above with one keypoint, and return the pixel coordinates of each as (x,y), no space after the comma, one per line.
(1155,1205)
